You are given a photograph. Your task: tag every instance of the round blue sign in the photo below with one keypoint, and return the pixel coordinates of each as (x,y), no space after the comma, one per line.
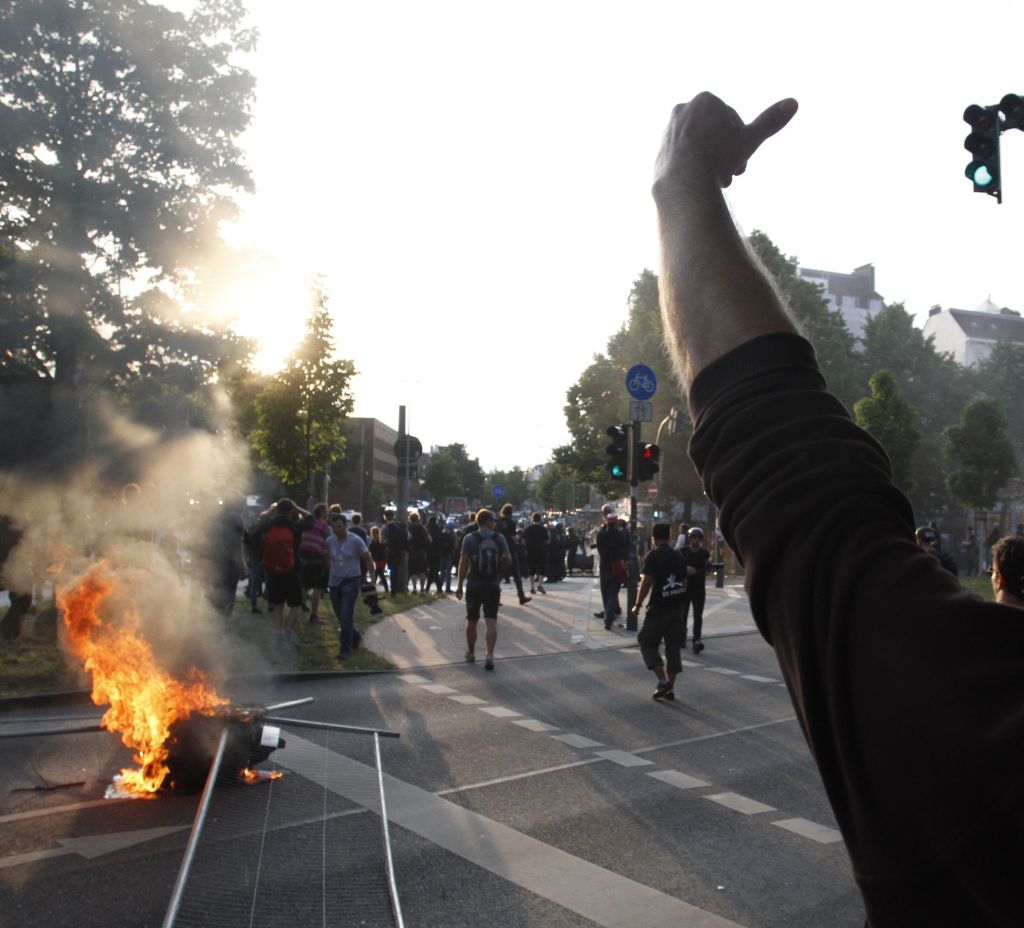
(641,382)
(498,491)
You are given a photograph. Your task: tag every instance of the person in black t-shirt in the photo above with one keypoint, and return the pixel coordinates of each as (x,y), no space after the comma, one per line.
(697,557)
(536,538)
(664,578)
(506,526)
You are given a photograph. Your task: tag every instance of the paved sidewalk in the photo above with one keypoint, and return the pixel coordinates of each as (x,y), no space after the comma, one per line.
(562,620)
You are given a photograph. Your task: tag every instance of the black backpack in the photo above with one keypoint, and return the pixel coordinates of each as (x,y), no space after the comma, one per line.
(487,559)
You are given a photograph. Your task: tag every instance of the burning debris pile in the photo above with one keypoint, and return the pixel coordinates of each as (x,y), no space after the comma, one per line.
(172,724)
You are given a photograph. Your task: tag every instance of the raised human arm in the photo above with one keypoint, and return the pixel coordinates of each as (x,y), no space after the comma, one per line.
(714,294)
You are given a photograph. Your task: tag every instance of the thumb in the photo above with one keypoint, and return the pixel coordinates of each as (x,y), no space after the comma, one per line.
(769,122)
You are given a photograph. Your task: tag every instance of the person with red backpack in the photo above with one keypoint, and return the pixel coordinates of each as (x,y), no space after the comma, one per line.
(281,540)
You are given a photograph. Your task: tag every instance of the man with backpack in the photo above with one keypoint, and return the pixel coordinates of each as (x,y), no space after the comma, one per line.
(484,560)
(281,539)
(396,539)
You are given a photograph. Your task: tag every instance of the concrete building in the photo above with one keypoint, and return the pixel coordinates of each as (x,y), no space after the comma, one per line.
(853,295)
(377,465)
(969,335)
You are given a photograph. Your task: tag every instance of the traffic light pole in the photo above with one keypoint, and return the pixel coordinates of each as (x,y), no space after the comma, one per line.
(634,567)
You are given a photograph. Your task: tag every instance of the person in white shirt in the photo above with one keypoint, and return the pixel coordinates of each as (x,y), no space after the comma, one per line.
(350,561)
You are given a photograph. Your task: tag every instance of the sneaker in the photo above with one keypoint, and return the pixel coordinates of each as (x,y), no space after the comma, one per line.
(598,615)
(470,657)
(607,626)
(664,691)
(698,646)
(540,589)
(523,600)
(489,663)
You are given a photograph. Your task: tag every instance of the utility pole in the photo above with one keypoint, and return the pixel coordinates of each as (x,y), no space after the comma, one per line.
(634,567)
(403,471)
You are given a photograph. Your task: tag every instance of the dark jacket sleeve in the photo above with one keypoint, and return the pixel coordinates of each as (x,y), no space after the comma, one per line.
(908,688)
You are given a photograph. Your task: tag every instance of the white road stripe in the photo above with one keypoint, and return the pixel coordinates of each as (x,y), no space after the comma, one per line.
(500,712)
(437,688)
(535,725)
(606,898)
(740,803)
(806,829)
(677,779)
(577,741)
(469,700)
(412,678)
(624,758)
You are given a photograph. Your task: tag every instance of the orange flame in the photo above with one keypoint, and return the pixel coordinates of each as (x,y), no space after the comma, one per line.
(144,699)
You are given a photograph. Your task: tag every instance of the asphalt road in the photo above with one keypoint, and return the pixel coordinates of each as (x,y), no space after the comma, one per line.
(552,792)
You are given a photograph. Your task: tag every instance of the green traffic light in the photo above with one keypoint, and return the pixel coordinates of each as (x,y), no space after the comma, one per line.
(617,471)
(982,177)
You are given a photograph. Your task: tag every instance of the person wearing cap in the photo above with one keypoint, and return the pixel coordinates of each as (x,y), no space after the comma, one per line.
(906,687)
(612,546)
(697,558)
(928,539)
(1008,570)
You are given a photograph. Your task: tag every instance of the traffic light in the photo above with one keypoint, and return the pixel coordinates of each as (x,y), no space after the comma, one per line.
(618,452)
(983,144)
(1012,108)
(648,458)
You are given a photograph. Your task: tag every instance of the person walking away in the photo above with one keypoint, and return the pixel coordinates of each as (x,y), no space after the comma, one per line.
(252,544)
(419,542)
(350,562)
(355,527)
(508,528)
(535,537)
(613,549)
(314,565)
(281,539)
(664,580)
(395,535)
(918,738)
(697,558)
(448,554)
(378,553)
(433,554)
(484,558)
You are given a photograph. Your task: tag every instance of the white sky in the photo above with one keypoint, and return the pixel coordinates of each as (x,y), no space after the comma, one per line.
(473,178)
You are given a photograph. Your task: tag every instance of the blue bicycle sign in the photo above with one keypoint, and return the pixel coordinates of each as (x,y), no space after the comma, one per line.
(641,382)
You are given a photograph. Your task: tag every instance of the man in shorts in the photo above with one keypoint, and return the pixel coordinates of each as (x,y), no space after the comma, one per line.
(484,560)
(284,585)
(664,579)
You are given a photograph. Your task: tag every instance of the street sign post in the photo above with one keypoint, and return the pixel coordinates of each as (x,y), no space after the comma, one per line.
(498,491)
(641,382)
(641,411)
(652,490)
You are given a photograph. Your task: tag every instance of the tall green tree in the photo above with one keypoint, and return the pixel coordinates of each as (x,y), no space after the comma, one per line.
(600,399)
(934,385)
(514,483)
(822,326)
(303,409)
(452,472)
(981,455)
(119,157)
(556,488)
(1000,377)
(887,415)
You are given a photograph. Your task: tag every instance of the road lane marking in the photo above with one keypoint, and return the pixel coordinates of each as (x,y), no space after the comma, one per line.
(677,779)
(725,671)
(740,803)
(578,741)
(535,725)
(56,810)
(812,830)
(757,679)
(469,700)
(715,734)
(92,846)
(624,758)
(512,777)
(413,678)
(437,688)
(500,712)
(606,898)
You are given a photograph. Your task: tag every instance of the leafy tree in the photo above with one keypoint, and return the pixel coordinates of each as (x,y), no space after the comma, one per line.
(556,488)
(600,399)
(515,483)
(934,385)
(451,472)
(303,409)
(1000,377)
(821,326)
(893,421)
(118,159)
(981,455)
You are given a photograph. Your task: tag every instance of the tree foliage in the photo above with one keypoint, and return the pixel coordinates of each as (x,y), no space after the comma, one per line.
(822,326)
(981,454)
(515,484)
(893,422)
(599,399)
(451,472)
(118,160)
(302,410)
(1000,377)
